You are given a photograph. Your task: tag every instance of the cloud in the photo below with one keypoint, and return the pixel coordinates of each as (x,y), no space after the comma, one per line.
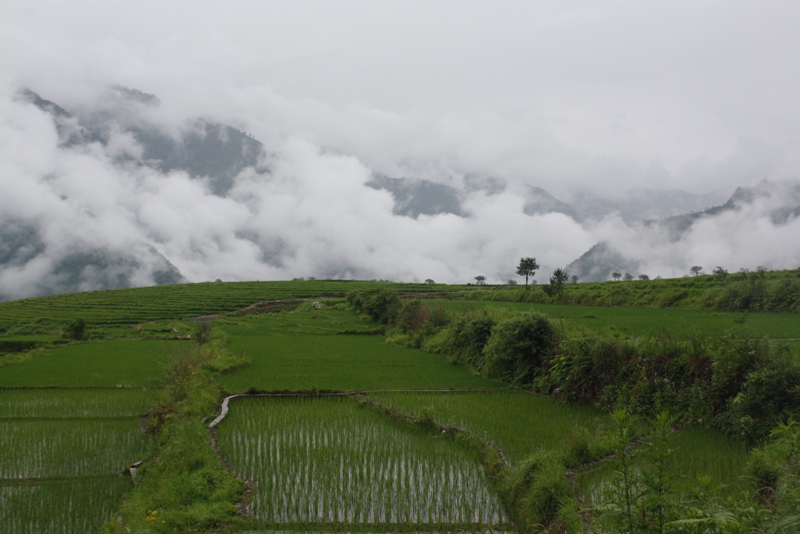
(571,98)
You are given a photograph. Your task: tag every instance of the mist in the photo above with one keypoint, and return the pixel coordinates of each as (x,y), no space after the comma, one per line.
(585,101)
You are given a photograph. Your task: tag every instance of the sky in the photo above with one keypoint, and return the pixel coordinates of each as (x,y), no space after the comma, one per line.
(571,96)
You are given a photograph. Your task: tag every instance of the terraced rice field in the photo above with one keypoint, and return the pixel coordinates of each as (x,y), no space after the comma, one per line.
(645,322)
(138,305)
(318,461)
(111,364)
(519,423)
(302,350)
(73,505)
(63,455)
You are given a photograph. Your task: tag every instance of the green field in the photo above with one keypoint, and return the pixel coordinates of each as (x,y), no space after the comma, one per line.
(644,322)
(79,505)
(520,423)
(73,403)
(328,461)
(71,413)
(99,364)
(144,304)
(302,350)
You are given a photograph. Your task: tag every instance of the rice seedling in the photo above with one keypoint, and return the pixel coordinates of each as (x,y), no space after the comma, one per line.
(518,422)
(72,403)
(326,460)
(97,364)
(43,448)
(707,452)
(698,452)
(76,505)
(302,362)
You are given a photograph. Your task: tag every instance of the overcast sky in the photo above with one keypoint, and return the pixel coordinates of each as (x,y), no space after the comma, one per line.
(570,96)
(686,94)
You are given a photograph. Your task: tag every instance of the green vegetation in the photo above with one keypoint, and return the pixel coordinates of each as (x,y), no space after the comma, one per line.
(760,291)
(520,423)
(183,484)
(73,403)
(78,505)
(113,364)
(327,461)
(145,304)
(90,383)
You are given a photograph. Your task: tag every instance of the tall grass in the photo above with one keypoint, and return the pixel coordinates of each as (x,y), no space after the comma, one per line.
(328,461)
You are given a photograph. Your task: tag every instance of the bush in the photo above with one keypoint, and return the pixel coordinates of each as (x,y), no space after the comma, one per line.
(518,346)
(381,305)
(770,395)
(76,329)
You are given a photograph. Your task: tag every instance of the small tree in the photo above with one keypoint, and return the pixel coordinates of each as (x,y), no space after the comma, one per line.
(512,282)
(644,277)
(616,275)
(480,279)
(527,267)
(628,277)
(76,329)
(720,272)
(429,281)
(574,278)
(695,270)
(557,282)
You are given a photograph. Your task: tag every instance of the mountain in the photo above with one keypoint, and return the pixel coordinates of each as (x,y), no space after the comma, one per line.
(597,264)
(414,196)
(642,204)
(540,202)
(777,202)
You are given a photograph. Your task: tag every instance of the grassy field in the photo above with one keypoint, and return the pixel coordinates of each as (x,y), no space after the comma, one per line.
(69,415)
(519,423)
(96,364)
(301,350)
(144,304)
(326,460)
(644,322)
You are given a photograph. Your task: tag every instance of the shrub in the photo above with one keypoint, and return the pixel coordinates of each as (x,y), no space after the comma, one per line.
(76,329)
(518,346)
(770,395)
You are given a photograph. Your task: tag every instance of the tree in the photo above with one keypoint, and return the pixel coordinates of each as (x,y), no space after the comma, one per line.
(557,281)
(429,281)
(616,275)
(527,267)
(695,270)
(480,279)
(574,278)
(76,329)
(628,277)
(720,272)
(644,277)
(511,282)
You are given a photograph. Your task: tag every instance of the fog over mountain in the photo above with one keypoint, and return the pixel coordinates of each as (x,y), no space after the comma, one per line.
(294,139)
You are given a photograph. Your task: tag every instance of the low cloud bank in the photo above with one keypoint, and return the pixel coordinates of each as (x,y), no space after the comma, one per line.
(96,213)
